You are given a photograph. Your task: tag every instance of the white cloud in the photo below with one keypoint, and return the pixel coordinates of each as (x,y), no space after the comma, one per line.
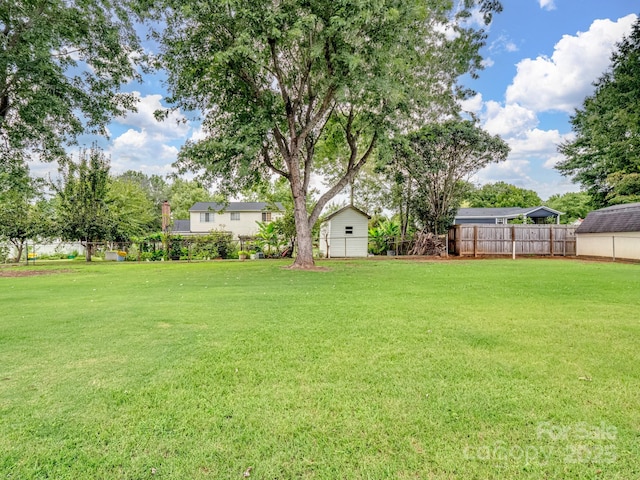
(547,4)
(564,80)
(553,161)
(502,44)
(488,62)
(148,145)
(473,104)
(173,127)
(535,143)
(508,121)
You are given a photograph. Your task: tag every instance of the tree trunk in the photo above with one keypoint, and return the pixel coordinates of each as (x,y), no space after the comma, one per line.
(88,251)
(304,258)
(19,249)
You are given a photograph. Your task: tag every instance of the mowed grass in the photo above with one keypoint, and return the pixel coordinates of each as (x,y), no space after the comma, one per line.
(372,369)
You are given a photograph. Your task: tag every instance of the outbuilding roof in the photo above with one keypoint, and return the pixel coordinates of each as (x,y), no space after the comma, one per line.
(236,207)
(181,226)
(344,209)
(618,218)
(504,212)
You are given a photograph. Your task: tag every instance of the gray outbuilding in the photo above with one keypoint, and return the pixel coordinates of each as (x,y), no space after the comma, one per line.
(612,232)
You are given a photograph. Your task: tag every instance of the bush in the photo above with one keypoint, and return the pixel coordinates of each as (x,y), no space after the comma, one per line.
(215,245)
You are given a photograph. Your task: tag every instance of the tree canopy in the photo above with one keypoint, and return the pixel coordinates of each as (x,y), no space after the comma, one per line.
(83,209)
(502,194)
(61,63)
(574,205)
(439,159)
(269,77)
(604,156)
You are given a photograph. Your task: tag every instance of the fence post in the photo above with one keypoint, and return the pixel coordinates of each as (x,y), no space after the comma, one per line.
(613,239)
(551,240)
(513,242)
(475,240)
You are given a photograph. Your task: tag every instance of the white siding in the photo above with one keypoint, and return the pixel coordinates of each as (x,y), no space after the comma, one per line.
(247,225)
(342,244)
(626,245)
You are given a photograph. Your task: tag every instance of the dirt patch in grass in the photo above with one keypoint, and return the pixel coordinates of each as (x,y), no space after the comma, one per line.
(30,273)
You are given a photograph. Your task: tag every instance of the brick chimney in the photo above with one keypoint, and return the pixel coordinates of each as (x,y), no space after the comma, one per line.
(166,216)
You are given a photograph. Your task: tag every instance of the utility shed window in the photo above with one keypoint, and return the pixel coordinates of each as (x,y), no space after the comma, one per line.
(348,230)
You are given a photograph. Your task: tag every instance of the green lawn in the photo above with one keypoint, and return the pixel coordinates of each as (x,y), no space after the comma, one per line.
(373,369)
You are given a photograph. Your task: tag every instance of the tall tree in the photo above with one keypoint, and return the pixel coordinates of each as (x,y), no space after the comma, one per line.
(22,210)
(84,213)
(269,76)
(132,211)
(183,194)
(502,194)
(439,159)
(61,62)
(604,156)
(156,188)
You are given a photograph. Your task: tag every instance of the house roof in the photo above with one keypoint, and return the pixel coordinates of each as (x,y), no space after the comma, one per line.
(505,212)
(346,208)
(181,226)
(236,207)
(618,218)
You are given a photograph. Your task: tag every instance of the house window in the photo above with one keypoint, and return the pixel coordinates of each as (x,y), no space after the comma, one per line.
(348,230)
(206,217)
(266,216)
(235,215)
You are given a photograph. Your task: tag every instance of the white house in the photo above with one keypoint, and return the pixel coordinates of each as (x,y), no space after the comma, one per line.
(612,232)
(238,218)
(345,233)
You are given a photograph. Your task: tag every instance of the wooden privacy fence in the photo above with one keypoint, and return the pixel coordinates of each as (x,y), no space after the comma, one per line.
(483,239)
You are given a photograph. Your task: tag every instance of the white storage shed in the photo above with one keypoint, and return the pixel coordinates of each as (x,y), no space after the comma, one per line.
(345,233)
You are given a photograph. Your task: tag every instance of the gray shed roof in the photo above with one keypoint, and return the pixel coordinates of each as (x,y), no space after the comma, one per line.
(236,207)
(181,226)
(619,218)
(509,212)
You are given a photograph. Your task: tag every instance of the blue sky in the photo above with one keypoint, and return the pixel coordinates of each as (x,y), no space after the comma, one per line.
(541,58)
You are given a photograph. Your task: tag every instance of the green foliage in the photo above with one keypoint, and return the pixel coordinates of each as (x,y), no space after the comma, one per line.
(384,236)
(270,239)
(82,193)
(574,205)
(216,244)
(61,63)
(155,188)
(132,211)
(24,214)
(438,160)
(277,79)
(183,194)
(502,194)
(604,156)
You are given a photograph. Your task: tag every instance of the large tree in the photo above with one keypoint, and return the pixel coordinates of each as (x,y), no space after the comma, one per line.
(604,156)
(438,160)
(61,62)
(269,76)
(84,213)
(132,211)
